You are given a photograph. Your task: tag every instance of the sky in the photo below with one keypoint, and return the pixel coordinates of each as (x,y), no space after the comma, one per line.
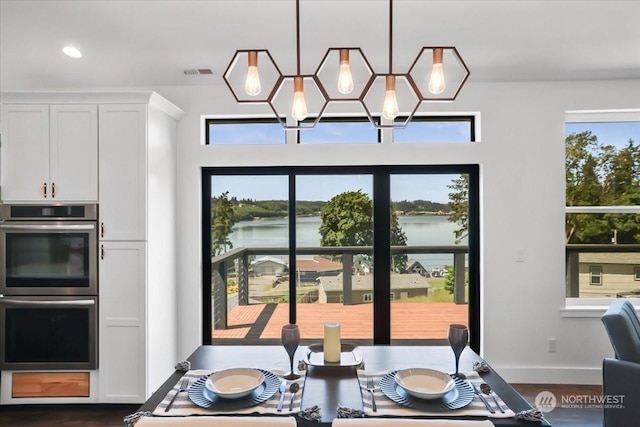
(612,133)
(403,187)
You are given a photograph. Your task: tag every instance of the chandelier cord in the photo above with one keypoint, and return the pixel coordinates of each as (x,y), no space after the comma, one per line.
(298,37)
(390,37)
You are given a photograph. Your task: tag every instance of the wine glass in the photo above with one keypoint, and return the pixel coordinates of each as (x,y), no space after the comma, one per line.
(458,338)
(290,338)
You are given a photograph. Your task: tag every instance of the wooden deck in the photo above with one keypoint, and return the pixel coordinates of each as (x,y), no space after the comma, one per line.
(409,321)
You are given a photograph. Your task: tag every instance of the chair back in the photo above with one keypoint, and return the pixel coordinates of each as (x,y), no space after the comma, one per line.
(623,327)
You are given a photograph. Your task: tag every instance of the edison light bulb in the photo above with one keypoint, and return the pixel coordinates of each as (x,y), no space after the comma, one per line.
(390,108)
(252,83)
(299,107)
(436,81)
(345,80)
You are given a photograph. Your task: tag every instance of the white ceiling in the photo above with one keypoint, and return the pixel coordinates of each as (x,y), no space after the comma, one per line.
(149,43)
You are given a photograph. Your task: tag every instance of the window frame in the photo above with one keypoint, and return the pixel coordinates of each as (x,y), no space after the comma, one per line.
(593,275)
(381,245)
(575,306)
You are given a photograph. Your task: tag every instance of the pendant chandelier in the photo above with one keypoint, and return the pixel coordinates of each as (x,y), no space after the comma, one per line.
(390,100)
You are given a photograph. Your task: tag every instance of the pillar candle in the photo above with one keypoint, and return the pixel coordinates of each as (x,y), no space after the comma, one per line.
(332,346)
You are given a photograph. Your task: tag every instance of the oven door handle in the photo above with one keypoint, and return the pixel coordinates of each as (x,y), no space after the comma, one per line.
(48,227)
(79,302)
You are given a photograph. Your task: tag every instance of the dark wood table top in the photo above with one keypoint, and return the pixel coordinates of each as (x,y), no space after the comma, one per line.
(328,386)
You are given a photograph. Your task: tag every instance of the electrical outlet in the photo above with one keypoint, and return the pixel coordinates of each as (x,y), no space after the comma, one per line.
(551,345)
(519,255)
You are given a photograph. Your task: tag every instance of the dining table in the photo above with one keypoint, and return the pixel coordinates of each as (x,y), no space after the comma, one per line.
(334,387)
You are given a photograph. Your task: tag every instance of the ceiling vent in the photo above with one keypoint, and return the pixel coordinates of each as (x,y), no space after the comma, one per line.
(199,72)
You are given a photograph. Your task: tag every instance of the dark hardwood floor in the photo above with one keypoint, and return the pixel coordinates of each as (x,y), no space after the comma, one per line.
(112,415)
(65,415)
(576,416)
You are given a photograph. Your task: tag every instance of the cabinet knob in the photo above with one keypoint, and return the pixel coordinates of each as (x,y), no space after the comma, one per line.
(53,190)
(102,229)
(101,251)
(43,190)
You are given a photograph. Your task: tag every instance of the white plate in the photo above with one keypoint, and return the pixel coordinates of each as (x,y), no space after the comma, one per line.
(234,383)
(425,383)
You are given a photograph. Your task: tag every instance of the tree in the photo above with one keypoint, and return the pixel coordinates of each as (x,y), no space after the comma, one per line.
(398,238)
(221,224)
(347,220)
(601,175)
(459,202)
(449,279)
(449,282)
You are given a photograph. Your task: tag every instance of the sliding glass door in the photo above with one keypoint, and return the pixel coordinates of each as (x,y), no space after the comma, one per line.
(390,252)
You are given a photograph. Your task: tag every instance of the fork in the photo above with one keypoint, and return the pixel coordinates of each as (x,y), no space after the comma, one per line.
(184,385)
(370,389)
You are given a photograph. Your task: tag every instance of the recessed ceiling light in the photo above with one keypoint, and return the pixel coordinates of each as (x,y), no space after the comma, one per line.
(72,52)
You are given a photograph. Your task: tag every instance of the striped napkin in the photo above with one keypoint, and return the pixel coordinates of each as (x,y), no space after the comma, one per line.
(183,406)
(387,407)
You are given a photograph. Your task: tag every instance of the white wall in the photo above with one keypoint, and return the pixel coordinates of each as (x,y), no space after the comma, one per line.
(521,154)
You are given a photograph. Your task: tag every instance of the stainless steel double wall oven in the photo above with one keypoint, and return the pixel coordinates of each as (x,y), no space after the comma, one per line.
(48,287)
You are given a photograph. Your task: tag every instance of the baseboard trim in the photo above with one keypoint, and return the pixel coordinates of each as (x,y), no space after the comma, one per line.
(550,375)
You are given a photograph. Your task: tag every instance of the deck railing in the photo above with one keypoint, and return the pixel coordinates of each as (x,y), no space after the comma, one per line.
(238,260)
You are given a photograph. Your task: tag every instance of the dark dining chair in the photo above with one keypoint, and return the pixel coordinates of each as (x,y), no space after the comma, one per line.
(621,375)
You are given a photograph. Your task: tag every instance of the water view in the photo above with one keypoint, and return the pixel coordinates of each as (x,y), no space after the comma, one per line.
(420,230)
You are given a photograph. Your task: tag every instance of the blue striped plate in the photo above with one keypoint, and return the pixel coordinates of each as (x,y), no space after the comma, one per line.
(205,398)
(459,397)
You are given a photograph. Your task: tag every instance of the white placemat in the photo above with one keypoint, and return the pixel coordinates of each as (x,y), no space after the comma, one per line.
(387,407)
(388,422)
(220,421)
(183,406)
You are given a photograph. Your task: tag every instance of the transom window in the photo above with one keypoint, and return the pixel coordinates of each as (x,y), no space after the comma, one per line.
(340,130)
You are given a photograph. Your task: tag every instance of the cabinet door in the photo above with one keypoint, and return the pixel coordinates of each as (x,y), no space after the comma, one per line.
(122,320)
(25,152)
(122,163)
(73,153)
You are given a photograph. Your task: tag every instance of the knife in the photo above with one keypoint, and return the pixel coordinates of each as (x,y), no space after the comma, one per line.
(283,388)
(477,392)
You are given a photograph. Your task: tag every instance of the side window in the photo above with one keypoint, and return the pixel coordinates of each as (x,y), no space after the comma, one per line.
(602,214)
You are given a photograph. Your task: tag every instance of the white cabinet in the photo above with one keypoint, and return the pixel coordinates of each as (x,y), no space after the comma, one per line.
(130,138)
(137,160)
(49,153)
(122,320)
(123,172)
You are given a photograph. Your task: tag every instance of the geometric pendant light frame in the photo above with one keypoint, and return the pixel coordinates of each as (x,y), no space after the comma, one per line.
(437,74)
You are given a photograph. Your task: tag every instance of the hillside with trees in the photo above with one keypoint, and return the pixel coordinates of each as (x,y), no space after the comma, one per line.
(247,209)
